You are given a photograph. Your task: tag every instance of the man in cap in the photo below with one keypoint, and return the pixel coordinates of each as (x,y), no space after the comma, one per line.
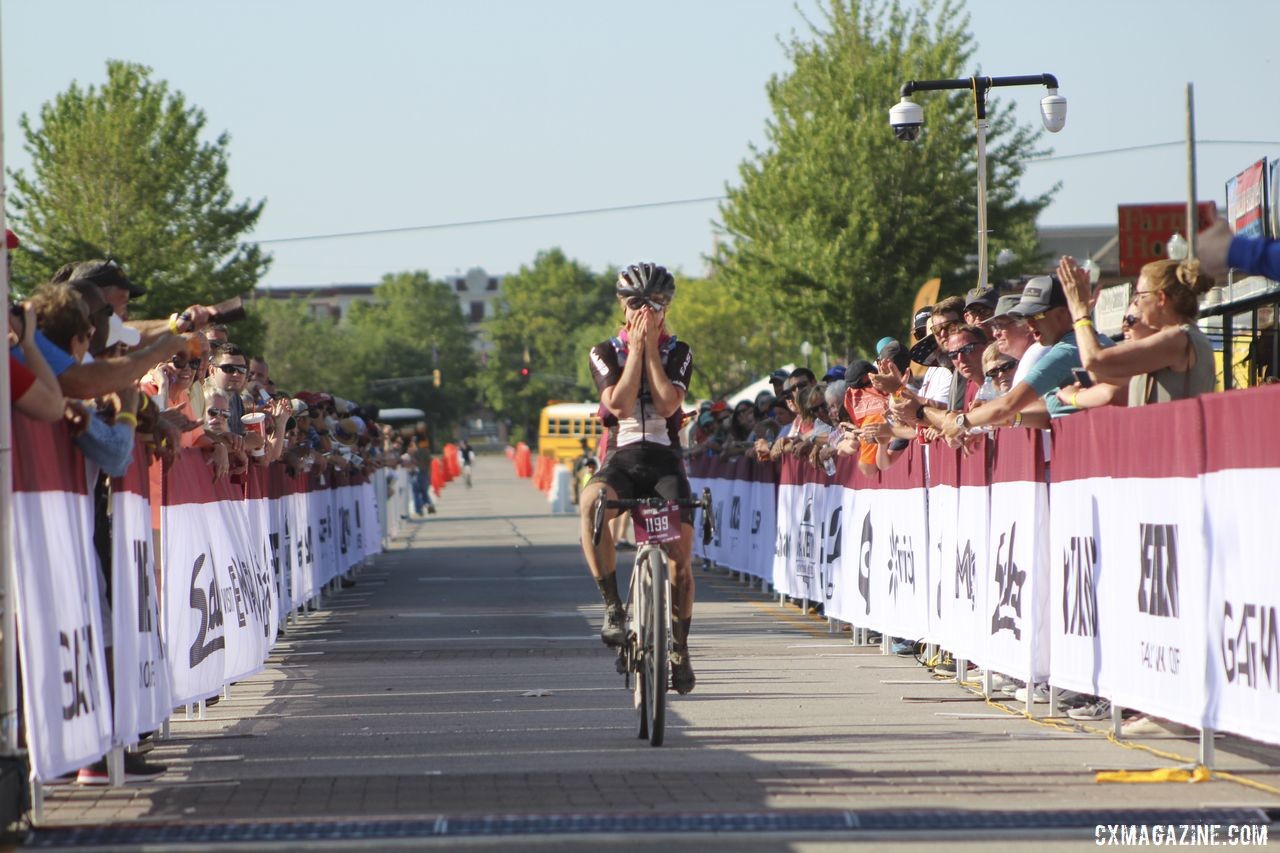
(1013,336)
(979,304)
(117,289)
(1044,306)
(866,407)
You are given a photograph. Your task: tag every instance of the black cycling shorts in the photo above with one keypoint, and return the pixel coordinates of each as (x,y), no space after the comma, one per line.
(643,470)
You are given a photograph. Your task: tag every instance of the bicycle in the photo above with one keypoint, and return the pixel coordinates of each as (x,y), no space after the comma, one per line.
(646,651)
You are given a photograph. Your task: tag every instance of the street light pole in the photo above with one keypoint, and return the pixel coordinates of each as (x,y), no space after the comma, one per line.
(907,118)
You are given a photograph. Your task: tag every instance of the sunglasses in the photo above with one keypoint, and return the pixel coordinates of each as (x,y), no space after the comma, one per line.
(799,386)
(180,362)
(218,413)
(1129,321)
(233,368)
(1001,368)
(964,350)
(635,303)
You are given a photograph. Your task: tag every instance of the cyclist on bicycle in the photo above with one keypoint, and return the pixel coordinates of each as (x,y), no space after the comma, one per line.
(643,374)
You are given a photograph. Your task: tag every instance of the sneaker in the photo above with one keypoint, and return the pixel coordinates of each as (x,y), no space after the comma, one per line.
(347,583)
(906,648)
(1145,726)
(614,631)
(1097,710)
(431,509)
(1039,693)
(94,774)
(138,769)
(682,677)
(946,666)
(64,779)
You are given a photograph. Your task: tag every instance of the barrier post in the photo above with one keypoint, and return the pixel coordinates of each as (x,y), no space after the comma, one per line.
(1206,748)
(115,767)
(962,669)
(37,801)
(1117,717)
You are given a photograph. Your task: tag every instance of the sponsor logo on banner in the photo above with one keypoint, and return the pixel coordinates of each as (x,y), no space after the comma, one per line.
(146,611)
(806,546)
(756,519)
(1079,600)
(831,539)
(902,564)
(1251,646)
(1158,586)
(966,576)
(719,516)
(864,562)
(1007,614)
(735,513)
(79,675)
(211,635)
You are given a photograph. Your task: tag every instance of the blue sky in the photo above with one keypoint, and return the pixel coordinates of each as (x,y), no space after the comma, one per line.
(391,113)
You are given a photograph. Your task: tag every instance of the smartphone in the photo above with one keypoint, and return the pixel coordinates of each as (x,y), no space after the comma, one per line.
(1082,377)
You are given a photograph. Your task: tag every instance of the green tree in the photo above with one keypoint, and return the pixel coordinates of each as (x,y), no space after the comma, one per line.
(305,353)
(414,326)
(835,223)
(547,309)
(121,171)
(731,346)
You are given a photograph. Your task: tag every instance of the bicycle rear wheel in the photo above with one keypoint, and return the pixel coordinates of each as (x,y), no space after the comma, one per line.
(657,624)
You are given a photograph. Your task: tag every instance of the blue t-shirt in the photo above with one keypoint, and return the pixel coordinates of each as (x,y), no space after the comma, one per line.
(58,358)
(1053,371)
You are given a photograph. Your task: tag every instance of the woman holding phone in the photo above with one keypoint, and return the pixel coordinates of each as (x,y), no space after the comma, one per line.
(1174,361)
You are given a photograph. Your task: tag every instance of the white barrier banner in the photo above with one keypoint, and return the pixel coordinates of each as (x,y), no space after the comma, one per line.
(67,709)
(1017,574)
(305,579)
(1076,579)
(1244,601)
(141,684)
(217,593)
(763,522)
(952,561)
(831,543)
(735,548)
(1153,616)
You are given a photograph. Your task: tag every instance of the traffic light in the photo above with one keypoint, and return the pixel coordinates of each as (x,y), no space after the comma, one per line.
(435,378)
(524,375)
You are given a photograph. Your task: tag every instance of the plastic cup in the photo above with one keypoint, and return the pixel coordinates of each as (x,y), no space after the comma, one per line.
(256,422)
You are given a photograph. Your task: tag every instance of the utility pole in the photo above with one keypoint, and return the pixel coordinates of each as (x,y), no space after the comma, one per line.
(1192,220)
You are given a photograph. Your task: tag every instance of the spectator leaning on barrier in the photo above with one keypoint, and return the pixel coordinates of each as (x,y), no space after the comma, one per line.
(1174,362)
(1014,336)
(998,367)
(1044,305)
(33,389)
(231,369)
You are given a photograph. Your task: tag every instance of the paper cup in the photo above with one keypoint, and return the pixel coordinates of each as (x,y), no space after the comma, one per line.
(256,422)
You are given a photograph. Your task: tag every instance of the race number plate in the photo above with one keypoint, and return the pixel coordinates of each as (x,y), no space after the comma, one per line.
(659,525)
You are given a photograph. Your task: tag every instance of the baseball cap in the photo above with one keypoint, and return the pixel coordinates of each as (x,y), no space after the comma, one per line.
(779,376)
(858,374)
(1041,294)
(106,273)
(894,352)
(836,373)
(1003,308)
(982,296)
(921,320)
(925,351)
(882,343)
(11,240)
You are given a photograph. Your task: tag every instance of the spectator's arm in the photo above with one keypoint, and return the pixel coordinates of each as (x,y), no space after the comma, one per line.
(86,381)
(43,400)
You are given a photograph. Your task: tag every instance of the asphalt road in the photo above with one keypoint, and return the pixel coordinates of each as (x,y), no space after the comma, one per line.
(463,678)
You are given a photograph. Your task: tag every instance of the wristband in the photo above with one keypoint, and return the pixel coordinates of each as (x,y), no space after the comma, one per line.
(1017,419)
(920,413)
(128,417)
(1074,399)
(1082,322)
(173,324)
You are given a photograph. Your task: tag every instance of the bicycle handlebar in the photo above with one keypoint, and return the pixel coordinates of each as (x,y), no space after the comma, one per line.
(708,513)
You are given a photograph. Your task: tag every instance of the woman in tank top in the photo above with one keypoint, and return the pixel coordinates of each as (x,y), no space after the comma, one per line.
(1175,361)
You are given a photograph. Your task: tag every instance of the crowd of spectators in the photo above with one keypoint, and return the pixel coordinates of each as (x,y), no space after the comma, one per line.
(1011,357)
(173,384)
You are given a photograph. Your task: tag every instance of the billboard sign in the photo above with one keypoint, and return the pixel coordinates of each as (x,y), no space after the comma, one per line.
(1144,229)
(1247,201)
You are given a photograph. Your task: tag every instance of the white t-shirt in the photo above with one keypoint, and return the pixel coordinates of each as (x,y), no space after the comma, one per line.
(936,384)
(1028,361)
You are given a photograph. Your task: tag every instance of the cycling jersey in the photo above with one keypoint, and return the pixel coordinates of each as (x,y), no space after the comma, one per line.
(645,424)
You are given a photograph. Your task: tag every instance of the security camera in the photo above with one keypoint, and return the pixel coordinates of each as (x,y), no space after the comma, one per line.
(906,118)
(1053,111)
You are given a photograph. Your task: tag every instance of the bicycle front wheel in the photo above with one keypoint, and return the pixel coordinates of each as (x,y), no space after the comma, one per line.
(658,622)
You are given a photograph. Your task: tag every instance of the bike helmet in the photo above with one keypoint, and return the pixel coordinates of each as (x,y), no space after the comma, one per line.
(646,281)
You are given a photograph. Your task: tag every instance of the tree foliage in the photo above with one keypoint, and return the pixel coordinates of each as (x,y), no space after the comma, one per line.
(553,310)
(122,171)
(835,222)
(414,326)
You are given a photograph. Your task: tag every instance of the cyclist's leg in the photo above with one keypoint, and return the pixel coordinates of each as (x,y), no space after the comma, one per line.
(682,584)
(601,558)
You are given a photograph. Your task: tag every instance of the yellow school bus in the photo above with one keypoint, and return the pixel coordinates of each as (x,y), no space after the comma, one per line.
(562,425)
